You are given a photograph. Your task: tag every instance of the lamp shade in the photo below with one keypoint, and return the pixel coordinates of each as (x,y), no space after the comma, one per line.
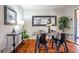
(20,22)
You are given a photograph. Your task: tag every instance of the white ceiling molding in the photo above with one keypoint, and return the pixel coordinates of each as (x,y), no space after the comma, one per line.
(43,7)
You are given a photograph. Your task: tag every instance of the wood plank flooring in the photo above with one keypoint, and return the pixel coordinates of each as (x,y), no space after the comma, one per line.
(29,47)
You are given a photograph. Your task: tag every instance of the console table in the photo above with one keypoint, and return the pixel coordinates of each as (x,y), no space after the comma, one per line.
(14,35)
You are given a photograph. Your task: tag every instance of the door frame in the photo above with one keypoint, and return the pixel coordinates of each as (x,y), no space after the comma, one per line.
(75,24)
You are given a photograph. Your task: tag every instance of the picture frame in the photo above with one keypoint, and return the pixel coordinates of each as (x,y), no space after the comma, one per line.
(42,20)
(10,16)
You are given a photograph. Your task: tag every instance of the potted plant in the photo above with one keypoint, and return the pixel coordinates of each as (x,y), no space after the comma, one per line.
(63,23)
(25,35)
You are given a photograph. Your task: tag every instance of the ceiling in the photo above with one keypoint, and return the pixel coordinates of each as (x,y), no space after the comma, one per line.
(44,7)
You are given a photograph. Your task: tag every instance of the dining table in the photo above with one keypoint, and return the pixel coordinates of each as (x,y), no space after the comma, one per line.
(54,33)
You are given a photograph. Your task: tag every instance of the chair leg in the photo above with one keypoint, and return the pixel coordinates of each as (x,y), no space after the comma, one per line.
(58,46)
(38,44)
(46,48)
(39,48)
(65,47)
(52,43)
(56,43)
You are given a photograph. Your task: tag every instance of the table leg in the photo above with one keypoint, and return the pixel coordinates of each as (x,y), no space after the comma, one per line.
(13,44)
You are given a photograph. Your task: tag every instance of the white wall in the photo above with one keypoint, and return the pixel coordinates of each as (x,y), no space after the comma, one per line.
(69,11)
(4,29)
(38,12)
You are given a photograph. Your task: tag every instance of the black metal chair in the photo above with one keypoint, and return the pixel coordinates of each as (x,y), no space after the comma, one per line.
(54,40)
(62,41)
(42,41)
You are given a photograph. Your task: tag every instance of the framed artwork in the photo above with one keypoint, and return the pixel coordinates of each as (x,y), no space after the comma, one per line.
(42,20)
(9,16)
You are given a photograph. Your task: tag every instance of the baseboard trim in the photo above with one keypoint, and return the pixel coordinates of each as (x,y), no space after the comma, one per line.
(72,42)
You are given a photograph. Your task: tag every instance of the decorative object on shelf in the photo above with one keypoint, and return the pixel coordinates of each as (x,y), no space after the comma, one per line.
(63,23)
(9,16)
(13,30)
(42,20)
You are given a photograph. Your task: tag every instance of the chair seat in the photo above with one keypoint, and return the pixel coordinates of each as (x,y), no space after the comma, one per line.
(42,41)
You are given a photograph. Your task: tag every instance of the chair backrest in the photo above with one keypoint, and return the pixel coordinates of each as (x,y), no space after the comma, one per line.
(43,38)
(63,36)
(52,37)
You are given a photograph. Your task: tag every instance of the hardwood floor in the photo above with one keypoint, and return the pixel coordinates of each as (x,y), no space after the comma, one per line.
(29,47)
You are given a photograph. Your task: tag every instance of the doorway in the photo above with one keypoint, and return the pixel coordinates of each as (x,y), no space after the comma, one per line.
(76,25)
